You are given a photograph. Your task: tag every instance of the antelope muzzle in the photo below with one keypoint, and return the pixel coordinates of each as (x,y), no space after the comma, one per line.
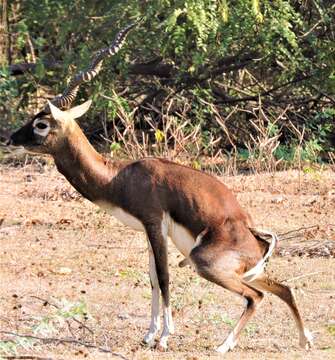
(23,136)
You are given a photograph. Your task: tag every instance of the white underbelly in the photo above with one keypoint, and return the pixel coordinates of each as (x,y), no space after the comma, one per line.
(124,217)
(180,236)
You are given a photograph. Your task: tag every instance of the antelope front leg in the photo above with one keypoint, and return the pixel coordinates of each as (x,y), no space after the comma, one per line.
(158,240)
(149,338)
(168,328)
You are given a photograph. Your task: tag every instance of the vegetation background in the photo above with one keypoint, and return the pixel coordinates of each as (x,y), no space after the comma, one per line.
(214,83)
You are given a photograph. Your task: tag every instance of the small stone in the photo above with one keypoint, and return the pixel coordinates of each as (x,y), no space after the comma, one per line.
(63,271)
(278,199)
(310,201)
(123,316)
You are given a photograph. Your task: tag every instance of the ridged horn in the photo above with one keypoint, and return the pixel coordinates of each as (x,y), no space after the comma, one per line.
(70,93)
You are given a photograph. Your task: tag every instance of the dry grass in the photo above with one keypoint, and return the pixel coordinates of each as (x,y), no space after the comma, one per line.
(69,271)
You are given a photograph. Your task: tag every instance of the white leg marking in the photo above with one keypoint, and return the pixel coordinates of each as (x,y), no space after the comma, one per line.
(180,236)
(155,320)
(168,328)
(305,336)
(231,340)
(306,339)
(229,344)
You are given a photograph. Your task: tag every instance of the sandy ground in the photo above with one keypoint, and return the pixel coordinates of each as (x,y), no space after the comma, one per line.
(69,271)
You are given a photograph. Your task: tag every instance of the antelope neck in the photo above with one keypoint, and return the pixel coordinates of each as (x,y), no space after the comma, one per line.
(87,171)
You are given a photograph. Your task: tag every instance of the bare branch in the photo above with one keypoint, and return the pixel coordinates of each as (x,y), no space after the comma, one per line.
(64,341)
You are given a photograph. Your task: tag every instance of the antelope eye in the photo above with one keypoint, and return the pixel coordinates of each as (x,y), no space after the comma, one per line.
(41,126)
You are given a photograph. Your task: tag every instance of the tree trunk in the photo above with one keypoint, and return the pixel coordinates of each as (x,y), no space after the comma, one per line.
(5,52)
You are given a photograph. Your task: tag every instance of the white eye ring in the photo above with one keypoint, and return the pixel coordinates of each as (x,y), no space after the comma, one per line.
(44,130)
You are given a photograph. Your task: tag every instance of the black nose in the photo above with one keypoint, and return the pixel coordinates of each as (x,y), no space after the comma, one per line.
(22,136)
(9,142)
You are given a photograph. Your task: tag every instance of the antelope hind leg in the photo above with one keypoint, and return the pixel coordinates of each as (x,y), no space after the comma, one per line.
(286,294)
(221,271)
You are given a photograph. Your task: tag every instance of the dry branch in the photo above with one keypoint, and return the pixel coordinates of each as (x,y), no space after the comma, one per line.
(318,248)
(64,341)
(19,69)
(305,275)
(296,230)
(47,302)
(25,357)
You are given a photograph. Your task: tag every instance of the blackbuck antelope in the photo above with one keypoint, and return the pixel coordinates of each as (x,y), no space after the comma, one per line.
(164,199)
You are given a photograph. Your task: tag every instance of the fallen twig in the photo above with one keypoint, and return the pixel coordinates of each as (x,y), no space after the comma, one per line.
(65,341)
(26,357)
(310,248)
(57,307)
(295,230)
(305,275)
(290,237)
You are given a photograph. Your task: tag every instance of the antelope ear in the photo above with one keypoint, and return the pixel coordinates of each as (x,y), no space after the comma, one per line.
(79,110)
(56,113)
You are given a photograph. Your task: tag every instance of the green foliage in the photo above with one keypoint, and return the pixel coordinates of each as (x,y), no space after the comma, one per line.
(331,329)
(285,152)
(322,128)
(22,29)
(190,33)
(207,43)
(8,86)
(70,310)
(115,147)
(7,348)
(65,312)
(9,94)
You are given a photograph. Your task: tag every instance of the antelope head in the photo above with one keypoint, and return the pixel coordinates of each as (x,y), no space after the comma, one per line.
(46,130)
(46,133)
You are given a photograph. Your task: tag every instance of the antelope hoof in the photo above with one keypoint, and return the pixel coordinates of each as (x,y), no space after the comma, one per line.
(222,349)
(149,339)
(228,345)
(162,346)
(306,341)
(148,342)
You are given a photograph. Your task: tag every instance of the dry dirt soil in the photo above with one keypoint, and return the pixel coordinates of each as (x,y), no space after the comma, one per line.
(75,280)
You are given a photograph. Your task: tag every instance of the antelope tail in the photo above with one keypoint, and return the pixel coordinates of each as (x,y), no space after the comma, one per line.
(258,269)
